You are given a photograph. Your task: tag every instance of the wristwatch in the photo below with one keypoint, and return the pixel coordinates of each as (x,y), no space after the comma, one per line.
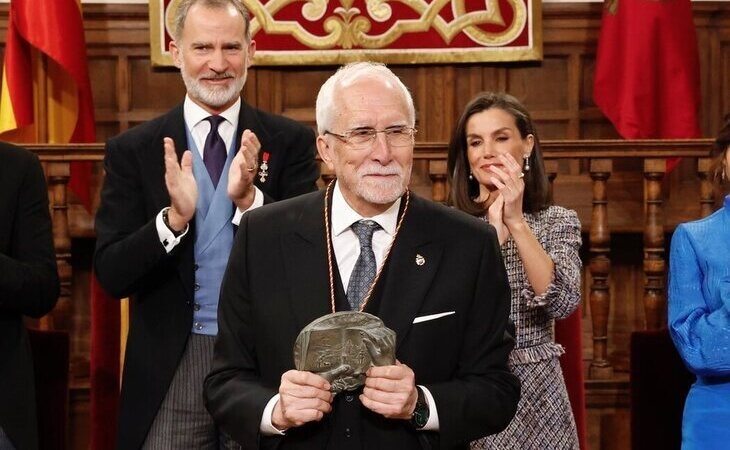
(166,221)
(420,415)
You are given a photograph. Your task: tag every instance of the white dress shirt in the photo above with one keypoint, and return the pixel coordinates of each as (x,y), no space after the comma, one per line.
(346,247)
(199,128)
(345,242)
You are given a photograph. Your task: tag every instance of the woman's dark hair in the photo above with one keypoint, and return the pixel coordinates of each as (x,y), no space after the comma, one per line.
(718,171)
(464,190)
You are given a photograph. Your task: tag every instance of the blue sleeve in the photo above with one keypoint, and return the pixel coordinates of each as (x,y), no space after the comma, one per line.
(701,335)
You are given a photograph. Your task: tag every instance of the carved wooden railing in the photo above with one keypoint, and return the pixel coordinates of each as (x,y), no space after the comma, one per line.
(598,157)
(56,160)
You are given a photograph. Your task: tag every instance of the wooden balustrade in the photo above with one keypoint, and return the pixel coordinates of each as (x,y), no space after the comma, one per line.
(57,161)
(600,267)
(601,158)
(654,266)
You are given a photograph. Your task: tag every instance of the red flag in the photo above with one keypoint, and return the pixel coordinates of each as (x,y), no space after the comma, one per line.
(54,28)
(568,333)
(647,69)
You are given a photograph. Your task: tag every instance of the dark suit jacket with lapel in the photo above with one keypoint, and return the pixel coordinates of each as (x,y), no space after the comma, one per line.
(277,282)
(28,286)
(131,261)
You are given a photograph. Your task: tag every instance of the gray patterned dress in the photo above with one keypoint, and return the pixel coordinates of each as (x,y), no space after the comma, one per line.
(544,419)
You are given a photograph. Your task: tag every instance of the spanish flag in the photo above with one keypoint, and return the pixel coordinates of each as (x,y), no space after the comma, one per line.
(647,78)
(46,93)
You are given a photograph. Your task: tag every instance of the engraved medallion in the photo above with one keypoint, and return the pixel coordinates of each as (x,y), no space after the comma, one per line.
(342,346)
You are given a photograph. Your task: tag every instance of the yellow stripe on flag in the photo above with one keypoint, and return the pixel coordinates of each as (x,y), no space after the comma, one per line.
(7,117)
(123,333)
(62,103)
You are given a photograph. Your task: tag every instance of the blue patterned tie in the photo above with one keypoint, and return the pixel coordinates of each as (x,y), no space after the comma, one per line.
(364,271)
(214,150)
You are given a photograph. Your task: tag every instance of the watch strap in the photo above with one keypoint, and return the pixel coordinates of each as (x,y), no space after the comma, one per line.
(166,221)
(420,415)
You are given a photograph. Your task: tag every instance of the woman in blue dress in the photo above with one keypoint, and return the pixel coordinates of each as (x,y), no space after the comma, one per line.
(699,312)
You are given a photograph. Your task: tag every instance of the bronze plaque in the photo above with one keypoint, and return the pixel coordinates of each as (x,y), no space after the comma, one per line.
(342,346)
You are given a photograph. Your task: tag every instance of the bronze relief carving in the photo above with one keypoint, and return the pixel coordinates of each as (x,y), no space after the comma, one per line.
(342,346)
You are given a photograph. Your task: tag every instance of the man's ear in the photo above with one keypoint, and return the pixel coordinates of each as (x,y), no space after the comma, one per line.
(175,52)
(251,50)
(326,152)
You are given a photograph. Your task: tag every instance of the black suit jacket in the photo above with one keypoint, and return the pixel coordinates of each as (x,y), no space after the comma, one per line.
(277,282)
(28,285)
(131,261)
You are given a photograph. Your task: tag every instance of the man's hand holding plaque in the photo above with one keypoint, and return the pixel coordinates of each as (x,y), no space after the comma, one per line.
(342,346)
(303,397)
(390,389)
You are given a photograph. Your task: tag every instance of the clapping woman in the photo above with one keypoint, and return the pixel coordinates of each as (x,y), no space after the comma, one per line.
(497,173)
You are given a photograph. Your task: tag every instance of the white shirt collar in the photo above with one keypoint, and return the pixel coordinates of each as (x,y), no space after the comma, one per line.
(194,113)
(343,215)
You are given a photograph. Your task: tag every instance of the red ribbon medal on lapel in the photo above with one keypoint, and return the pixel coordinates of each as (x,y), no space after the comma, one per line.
(264,172)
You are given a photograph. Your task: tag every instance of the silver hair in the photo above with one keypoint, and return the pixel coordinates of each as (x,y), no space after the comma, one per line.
(326,108)
(184,7)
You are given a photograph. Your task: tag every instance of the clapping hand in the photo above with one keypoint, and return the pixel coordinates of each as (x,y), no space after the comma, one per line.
(495,214)
(242,173)
(507,208)
(181,186)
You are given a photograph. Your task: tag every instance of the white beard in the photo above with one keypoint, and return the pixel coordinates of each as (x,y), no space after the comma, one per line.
(381,192)
(214,96)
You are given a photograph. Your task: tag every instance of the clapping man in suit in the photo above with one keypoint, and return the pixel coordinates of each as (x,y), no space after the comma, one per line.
(28,287)
(167,219)
(432,274)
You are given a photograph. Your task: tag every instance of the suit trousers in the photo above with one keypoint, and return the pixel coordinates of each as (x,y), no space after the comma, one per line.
(5,443)
(183,422)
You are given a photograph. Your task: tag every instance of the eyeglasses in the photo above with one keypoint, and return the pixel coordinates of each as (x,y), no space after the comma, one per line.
(362,138)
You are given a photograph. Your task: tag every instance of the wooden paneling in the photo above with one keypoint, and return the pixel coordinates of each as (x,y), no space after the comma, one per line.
(558,92)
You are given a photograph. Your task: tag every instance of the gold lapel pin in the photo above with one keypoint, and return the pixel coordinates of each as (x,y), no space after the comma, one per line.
(420,260)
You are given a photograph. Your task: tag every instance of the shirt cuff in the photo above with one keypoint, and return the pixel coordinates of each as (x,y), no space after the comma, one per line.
(267,428)
(167,237)
(258,200)
(433,416)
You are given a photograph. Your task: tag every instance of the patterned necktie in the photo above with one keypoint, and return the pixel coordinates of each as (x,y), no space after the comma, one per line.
(214,150)
(364,271)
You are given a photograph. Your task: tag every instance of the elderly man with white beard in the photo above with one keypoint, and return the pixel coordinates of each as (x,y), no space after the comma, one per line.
(432,274)
(175,189)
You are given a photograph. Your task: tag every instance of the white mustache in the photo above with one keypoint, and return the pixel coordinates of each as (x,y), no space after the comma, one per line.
(377,169)
(217,76)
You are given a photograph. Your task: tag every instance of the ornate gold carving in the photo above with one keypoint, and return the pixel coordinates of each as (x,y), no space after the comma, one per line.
(313,10)
(351,28)
(379,10)
(339,32)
